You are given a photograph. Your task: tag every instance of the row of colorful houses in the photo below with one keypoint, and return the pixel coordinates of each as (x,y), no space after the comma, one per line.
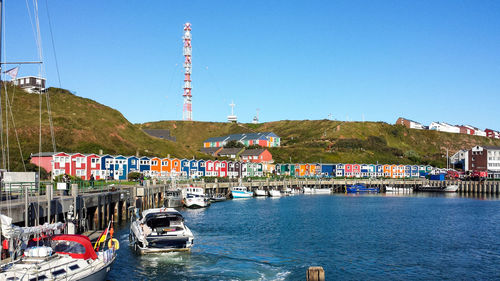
(353,170)
(118,167)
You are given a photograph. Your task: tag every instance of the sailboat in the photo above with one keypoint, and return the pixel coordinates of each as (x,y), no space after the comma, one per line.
(43,252)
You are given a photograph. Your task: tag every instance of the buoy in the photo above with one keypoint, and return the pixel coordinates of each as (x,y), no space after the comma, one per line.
(113,243)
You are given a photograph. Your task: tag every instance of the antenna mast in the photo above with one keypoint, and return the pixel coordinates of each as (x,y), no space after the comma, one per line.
(187,113)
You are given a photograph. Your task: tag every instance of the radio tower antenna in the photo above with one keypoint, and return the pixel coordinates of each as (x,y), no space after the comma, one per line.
(187,113)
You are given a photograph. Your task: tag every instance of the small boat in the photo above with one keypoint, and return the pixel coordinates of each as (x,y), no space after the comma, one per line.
(241,192)
(398,189)
(360,187)
(322,190)
(217,198)
(274,193)
(173,199)
(194,197)
(451,188)
(260,192)
(308,190)
(160,230)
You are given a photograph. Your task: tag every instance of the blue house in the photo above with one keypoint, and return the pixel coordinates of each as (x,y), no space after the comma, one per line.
(339,170)
(327,170)
(193,168)
(365,170)
(145,165)
(185,168)
(120,167)
(380,170)
(201,167)
(133,164)
(107,166)
(414,171)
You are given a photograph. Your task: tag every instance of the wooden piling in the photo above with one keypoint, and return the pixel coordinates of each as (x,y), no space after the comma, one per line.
(315,273)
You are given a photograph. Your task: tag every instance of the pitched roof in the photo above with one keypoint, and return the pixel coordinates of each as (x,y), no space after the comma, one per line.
(253,152)
(241,137)
(210,150)
(492,147)
(230,151)
(44,154)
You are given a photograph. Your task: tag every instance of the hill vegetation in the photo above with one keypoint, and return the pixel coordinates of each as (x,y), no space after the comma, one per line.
(83,125)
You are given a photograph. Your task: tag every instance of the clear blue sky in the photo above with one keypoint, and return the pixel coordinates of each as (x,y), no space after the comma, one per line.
(424,60)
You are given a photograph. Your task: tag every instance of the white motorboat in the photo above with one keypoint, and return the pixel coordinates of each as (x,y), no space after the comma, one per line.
(57,257)
(274,193)
(286,192)
(308,190)
(160,230)
(241,192)
(451,188)
(173,198)
(260,192)
(194,197)
(398,189)
(322,190)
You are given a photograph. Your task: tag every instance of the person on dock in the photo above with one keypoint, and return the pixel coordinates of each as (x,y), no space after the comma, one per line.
(141,178)
(91,180)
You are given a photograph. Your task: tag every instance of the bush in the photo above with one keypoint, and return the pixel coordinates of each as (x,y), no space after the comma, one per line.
(134,176)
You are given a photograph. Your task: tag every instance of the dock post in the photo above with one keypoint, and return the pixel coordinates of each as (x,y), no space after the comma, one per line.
(99,213)
(315,273)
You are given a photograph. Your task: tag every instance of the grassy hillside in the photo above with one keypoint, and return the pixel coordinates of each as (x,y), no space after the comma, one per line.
(335,141)
(83,125)
(80,125)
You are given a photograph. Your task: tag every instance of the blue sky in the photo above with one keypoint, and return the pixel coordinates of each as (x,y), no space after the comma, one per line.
(424,60)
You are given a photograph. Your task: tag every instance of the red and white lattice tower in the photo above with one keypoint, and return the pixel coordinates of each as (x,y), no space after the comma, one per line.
(187,113)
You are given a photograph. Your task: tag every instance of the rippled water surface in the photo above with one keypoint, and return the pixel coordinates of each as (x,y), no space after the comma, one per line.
(371,237)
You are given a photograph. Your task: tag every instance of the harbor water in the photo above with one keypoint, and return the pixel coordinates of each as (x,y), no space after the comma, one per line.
(422,236)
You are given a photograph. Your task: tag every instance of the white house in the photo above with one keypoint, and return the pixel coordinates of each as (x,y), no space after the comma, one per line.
(444,127)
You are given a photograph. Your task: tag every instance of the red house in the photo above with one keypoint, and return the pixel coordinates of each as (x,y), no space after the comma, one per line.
(492,134)
(93,164)
(43,160)
(209,168)
(61,164)
(78,165)
(216,170)
(356,170)
(468,130)
(348,170)
(259,155)
(223,169)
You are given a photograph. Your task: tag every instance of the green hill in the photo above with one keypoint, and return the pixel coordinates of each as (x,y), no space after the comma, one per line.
(83,125)
(335,141)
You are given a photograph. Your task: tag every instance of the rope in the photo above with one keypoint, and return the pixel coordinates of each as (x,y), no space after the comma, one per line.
(47,97)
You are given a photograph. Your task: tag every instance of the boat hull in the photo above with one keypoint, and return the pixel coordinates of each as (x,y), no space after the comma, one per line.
(260,192)
(274,193)
(241,194)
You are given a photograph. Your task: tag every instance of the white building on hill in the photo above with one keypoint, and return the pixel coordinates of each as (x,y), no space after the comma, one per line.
(444,127)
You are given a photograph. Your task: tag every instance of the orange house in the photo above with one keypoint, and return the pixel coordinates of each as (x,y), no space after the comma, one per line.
(176,165)
(166,167)
(155,166)
(387,171)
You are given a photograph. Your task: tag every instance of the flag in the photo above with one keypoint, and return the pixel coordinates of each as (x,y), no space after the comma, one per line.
(12,72)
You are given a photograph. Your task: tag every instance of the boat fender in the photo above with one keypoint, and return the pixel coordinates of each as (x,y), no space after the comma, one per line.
(113,243)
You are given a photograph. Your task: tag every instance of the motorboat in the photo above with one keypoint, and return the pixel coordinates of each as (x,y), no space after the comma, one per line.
(217,198)
(173,198)
(194,197)
(308,190)
(322,190)
(52,256)
(274,193)
(241,192)
(390,188)
(360,187)
(286,192)
(160,230)
(451,188)
(260,192)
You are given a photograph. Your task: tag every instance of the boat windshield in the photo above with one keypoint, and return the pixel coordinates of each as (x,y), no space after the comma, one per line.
(72,247)
(158,221)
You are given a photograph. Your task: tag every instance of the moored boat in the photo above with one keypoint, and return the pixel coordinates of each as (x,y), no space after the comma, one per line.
(359,187)
(160,230)
(58,257)
(241,192)
(274,193)
(173,198)
(194,197)
(217,198)
(451,188)
(260,192)
(322,190)
(308,190)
